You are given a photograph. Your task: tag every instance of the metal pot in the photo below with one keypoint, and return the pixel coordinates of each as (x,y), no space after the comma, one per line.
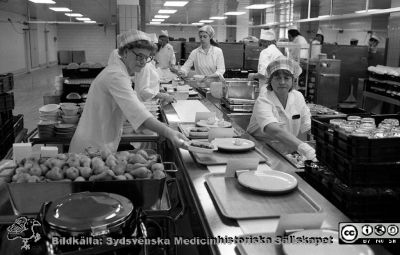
(240,88)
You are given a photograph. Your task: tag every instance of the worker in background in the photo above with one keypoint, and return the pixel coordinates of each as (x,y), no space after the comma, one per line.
(373,43)
(296,38)
(111,100)
(165,56)
(319,38)
(207,59)
(269,53)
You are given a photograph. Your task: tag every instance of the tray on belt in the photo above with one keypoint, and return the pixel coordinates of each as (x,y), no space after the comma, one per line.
(234,200)
(222,158)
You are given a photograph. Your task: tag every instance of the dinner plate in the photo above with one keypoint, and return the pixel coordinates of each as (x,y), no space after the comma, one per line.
(223,124)
(322,248)
(270,181)
(233,144)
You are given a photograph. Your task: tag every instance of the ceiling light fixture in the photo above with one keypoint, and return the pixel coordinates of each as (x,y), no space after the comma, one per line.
(60,9)
(74,15)
(218,17)
(167,11)
(197,23)
(160,20)
(175,3)
(83,19)
(234,13)
(369,10)
(89,21)
(161,16)
(206,21)
(155,22)
(259,6)
(43,1)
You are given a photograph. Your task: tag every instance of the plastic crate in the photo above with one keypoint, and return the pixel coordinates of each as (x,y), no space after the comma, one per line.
(6,128)
(6,101)
(6,82)
(5,116)
(6,144)
(81,73)
(18,124)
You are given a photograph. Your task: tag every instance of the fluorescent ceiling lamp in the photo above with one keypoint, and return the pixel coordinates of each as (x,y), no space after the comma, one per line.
(206,21)
(167,11)
(259,6)
(155,22)
(160,20)
(218,17)
(89,21)
(43,1)
(370,10)
(161,16)
(234,13)
(83,19)
(197,23)
(60,9)
(175,3)
(74,15)
(323,16)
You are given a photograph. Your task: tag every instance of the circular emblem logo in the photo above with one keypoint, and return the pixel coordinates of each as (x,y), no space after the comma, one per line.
(367,230)
(380,230)
(349,233)
(392,230)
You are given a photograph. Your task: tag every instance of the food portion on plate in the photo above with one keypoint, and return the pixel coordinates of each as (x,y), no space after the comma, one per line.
(201,147)
(200,132)
(296,159)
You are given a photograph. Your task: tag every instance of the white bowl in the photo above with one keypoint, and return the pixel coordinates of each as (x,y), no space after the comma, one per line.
(70,119)
(48,108)
(71,112)
(67,105)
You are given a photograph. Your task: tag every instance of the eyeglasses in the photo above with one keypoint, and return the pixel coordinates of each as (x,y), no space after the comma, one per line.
(141,57)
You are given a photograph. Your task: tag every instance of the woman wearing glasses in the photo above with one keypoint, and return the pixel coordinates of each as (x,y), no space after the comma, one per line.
(111,99)
(208,60)
(281,113)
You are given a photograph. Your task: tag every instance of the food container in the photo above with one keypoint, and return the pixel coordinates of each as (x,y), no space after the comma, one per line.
(354,118)
(201,147)
(240,88)
(393,122)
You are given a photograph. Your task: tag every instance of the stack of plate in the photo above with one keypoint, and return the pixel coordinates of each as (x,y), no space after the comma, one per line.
(49,112)
(64,130)
(46,128)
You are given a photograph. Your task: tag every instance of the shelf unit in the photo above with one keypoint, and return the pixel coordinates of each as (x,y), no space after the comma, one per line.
(383,90)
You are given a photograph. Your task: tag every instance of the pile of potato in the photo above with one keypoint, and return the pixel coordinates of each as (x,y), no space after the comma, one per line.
(122,165)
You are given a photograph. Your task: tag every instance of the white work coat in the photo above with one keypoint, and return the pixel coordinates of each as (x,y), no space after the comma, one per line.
(166,56)
(267,55)
(295,118)
(205,63)
(303,52)
(147,82)
(110,101)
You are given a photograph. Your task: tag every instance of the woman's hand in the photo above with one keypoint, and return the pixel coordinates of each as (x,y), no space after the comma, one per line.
(307,151)
(177,139)
(166,98)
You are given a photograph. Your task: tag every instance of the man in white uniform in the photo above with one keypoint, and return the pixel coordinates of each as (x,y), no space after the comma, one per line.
(111,100)
(280,114)
(267,55)
(165,56)
(296,38)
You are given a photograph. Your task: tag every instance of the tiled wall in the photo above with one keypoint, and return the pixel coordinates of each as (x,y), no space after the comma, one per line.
(127,17)
(394,37)
(98,41)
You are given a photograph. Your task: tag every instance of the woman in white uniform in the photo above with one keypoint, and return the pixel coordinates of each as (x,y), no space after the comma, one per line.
(111,100)
(267,55)
(208,60)
(281,113)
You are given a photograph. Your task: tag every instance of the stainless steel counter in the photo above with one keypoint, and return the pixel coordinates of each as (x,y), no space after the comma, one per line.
(214,223)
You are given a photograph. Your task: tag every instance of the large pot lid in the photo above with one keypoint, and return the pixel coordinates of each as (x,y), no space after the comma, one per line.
(88,211)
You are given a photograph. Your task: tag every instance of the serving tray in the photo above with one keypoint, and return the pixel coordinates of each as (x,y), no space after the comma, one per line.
(222,158)
(234,200)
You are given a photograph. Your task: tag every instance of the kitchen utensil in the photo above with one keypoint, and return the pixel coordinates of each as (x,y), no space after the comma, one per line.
(268,181)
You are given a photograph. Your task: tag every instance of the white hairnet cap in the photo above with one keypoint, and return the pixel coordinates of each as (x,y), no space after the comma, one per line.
(267,34)
(293,27)
(284,63)
(374,36)
(208,29)
(131,36)
(164,33)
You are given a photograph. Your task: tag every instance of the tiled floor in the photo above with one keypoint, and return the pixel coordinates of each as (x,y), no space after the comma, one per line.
(28,93)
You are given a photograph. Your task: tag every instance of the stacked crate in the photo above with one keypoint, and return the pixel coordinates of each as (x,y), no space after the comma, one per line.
(6,115)
(361,174)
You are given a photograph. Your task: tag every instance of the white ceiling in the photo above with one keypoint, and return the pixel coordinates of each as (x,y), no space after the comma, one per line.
(105,11)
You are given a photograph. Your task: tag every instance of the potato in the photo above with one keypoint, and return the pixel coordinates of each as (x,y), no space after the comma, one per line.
(85,172)
(119,169)
(143,153)
(44,168)
(33,179)
(72,173)
(97,163)
(153,157)
(105,154)
(55,174)
(157,166)
(123,154)
(73,162)
(104,176)
(128,176)
(56,163)
(35,170)
(61,156)
(100,170)
(21,170)
(23,177)
(158,174)
(141,172)
(135,158)
(28,165)
(85,161)
(79,179)
(121,177)
(111,161)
